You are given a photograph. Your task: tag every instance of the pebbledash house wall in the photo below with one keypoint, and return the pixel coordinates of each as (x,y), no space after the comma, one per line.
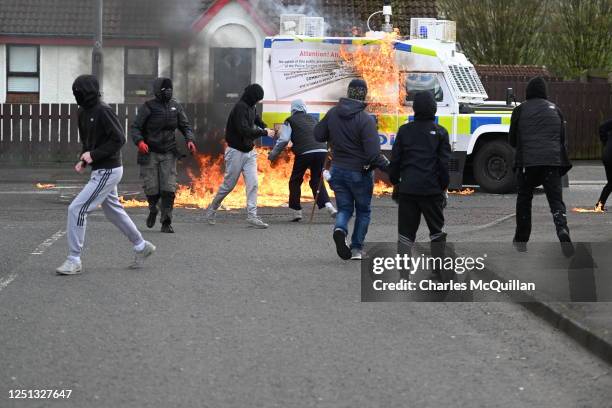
(61,64)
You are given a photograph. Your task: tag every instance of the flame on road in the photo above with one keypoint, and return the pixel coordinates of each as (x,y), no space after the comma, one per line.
(599,208)
(273,190)
(465,191)
(43,186)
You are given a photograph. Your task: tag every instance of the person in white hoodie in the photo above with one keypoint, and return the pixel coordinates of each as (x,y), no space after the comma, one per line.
(309,155)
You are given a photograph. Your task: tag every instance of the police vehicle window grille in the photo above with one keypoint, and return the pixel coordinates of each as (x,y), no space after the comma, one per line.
(466,80)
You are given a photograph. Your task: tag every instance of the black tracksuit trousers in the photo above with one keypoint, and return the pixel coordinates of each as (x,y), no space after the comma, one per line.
(313,162)
(528,179)
(607,162)
(411,207)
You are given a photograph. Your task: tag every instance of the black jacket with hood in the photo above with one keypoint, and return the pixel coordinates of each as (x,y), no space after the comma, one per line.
(421,151)
(353,136)
(158,119)
(243,123)
(99,128)
(537,130)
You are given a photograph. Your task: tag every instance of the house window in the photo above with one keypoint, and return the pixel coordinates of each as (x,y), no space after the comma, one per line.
(23,69)
(140,71)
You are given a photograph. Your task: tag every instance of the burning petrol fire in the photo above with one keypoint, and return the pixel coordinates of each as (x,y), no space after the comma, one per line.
(376,64)
(45,186)
(599,208)
(273,188)
(465,191)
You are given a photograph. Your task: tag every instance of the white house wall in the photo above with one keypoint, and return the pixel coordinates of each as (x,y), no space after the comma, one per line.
(2,73)
(59,66)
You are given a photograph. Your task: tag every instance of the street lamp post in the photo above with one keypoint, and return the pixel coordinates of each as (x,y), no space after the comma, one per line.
(96,54)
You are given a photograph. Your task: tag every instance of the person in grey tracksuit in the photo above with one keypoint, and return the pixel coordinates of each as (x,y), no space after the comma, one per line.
(102,137)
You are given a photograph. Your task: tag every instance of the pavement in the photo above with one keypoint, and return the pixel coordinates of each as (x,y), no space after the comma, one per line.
(229,316)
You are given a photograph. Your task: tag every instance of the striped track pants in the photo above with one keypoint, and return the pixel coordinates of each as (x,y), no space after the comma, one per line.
(100,191)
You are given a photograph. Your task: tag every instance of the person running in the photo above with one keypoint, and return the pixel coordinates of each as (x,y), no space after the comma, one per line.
(153,132)
(243,127)
(605,134)
(419,168)
(353,136)
(309,155)
(537,132)
(102,137)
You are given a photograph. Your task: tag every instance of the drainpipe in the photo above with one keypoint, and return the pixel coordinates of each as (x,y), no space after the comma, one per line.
(96,53)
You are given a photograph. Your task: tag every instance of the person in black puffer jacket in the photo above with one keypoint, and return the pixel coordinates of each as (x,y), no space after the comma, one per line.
(153,132)
(419,168)
(537,131)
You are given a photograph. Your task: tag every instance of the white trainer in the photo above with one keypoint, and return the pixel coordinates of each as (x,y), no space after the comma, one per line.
(69,267)
(356,254)
(331,210)
(256,222)
(140,256)
(297,216)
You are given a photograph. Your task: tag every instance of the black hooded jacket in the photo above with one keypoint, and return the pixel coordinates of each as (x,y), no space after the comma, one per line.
(421,151)
(158,119)
(243,123)
(352,134)
(99,128)
(537,130)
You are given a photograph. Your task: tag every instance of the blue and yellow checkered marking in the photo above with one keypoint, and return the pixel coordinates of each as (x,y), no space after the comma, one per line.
(466,124)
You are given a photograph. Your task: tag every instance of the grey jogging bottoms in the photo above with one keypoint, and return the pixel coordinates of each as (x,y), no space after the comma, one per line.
(101,190)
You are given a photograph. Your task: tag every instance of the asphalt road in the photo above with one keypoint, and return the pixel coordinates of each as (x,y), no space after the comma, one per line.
(228,316)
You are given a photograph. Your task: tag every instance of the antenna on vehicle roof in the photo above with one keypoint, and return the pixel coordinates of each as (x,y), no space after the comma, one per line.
(387,13)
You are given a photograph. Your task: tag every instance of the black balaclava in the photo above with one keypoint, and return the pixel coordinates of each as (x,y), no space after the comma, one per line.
(162,88)
(86,91)
(253,94)
(357,89)
(424,106)
(536,88)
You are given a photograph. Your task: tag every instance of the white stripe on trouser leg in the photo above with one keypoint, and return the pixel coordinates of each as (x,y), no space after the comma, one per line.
(102,184)
(405,240)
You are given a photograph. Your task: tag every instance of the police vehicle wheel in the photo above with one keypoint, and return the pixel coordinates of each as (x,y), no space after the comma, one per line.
(493,167)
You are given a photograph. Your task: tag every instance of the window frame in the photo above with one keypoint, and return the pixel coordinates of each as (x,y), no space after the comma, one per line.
(128,77)
(440,80)
(20,74)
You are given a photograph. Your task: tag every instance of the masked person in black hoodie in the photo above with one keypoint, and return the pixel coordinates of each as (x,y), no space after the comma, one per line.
(353,136)
(102,138)
(537,131)
(243,127)
(605,134)
(419,168)
(153,132)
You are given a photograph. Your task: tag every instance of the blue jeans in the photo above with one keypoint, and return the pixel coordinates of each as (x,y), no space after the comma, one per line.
(353,191)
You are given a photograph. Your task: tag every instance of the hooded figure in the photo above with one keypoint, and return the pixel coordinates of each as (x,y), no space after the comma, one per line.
(419,170)
(352,135)
(153,131)
(537,132)
(86,91)
(309,155)
(102,137)
(243,127)
(421,151)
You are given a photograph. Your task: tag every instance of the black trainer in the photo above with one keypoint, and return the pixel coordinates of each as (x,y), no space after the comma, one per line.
(342,249)
(151,219)
(167,228)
